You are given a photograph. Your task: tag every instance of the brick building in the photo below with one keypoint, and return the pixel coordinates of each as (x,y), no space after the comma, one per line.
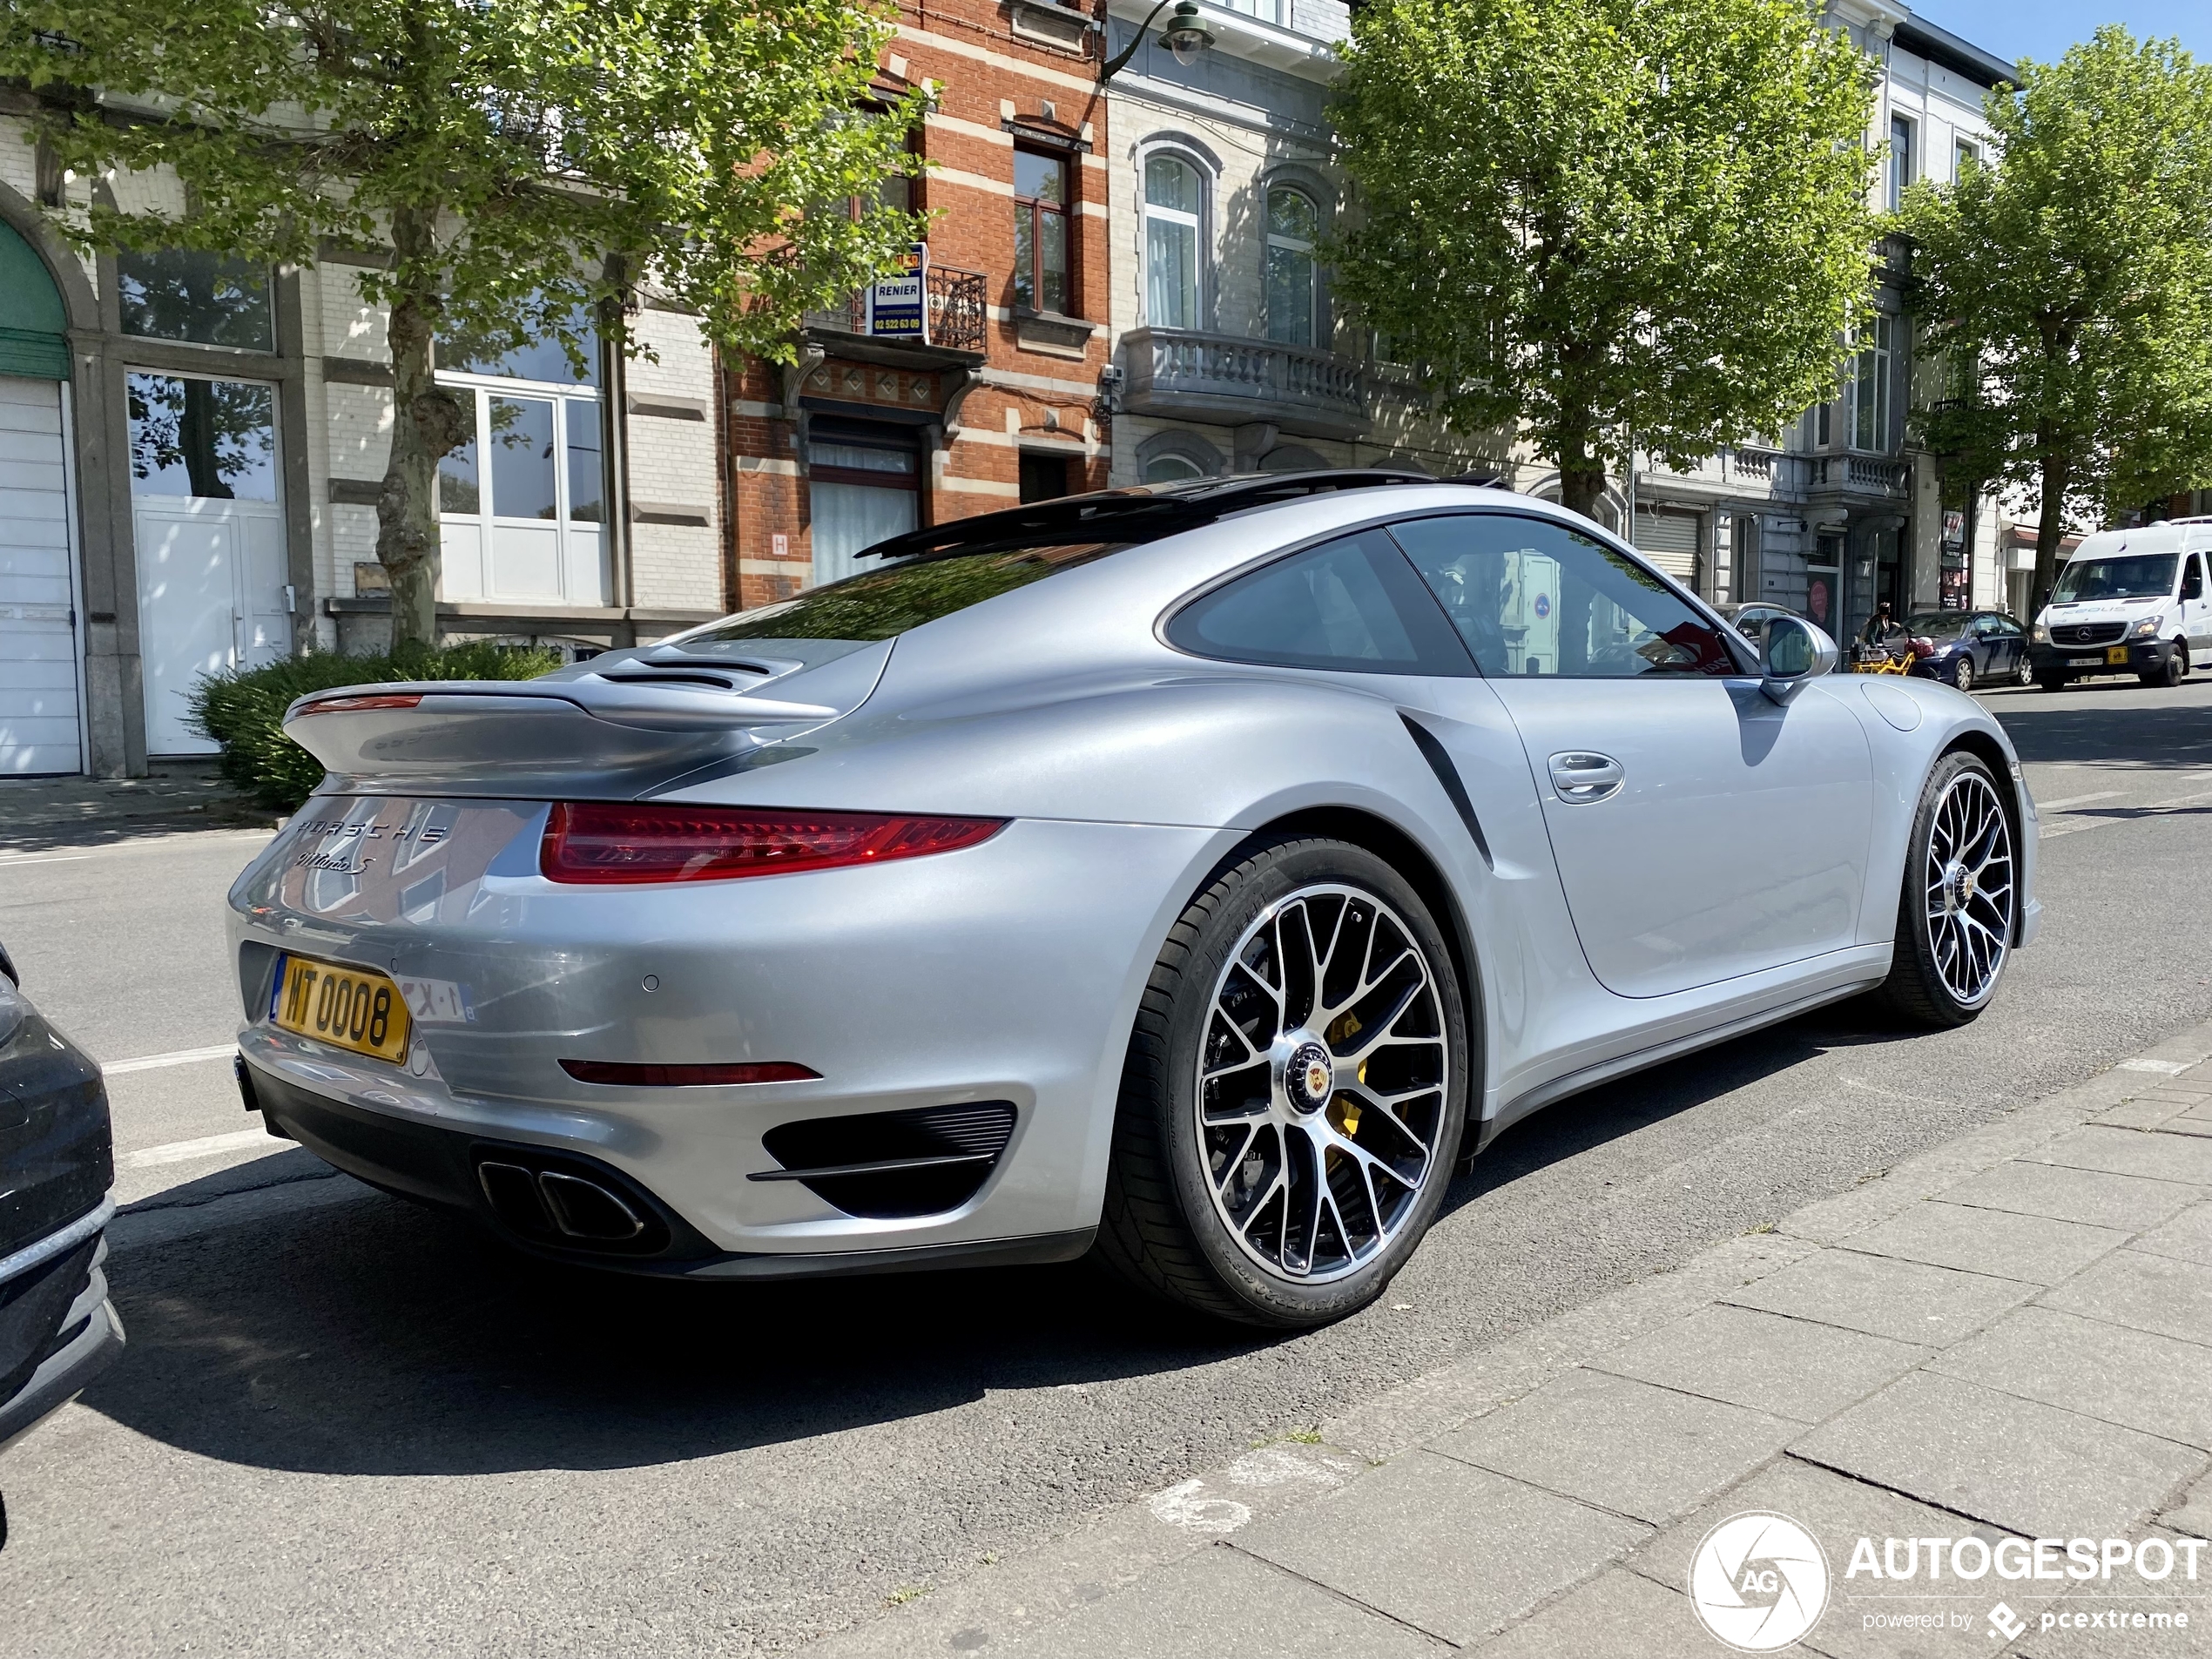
(870,431)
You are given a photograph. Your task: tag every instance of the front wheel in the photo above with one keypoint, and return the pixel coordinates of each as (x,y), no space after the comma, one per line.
(1294,1091)
(2054,682)
(1961,895)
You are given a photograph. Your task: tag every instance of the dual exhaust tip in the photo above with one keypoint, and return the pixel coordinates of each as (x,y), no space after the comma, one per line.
(563,1203)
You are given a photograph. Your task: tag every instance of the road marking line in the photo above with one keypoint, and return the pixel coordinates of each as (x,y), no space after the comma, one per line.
(2074,801)
(66,858)
(180,1057)
(208,1147)
(2144,811)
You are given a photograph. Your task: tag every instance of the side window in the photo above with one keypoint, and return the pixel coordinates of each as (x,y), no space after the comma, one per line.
(1347,605)
(2192,577)
(1534,598)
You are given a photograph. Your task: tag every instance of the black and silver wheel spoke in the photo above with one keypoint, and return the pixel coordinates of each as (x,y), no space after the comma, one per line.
(1328,984)
(1967,887)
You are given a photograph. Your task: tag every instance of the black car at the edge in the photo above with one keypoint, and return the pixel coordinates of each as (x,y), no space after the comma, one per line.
(57,1330)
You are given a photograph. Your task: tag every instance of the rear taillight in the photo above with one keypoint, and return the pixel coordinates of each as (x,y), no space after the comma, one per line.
(596,841)
(356,705)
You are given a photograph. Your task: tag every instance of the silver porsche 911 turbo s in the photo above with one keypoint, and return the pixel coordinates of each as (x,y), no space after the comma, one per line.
(1194,874)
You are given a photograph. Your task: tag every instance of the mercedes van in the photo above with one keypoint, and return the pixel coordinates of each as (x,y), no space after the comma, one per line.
(2129,601)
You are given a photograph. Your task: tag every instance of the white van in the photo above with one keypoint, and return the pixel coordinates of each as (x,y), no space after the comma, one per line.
(2129,601)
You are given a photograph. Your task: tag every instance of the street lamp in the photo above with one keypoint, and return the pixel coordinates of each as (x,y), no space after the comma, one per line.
(1186,35)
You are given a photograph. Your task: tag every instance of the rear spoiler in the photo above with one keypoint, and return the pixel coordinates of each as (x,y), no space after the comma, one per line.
(535,738)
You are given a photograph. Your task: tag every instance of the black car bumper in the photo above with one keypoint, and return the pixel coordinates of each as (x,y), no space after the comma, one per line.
(57,1318)
(2137,657)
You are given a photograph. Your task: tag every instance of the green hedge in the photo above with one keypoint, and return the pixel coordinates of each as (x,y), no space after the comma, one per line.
(243,709)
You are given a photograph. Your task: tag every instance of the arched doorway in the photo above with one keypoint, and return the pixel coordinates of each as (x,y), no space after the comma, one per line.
(41,681)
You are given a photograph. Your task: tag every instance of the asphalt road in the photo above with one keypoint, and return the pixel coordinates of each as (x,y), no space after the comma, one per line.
(358,1428)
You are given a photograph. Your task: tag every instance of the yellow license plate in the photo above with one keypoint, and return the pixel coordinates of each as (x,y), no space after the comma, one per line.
(2116,654)
(349,1007)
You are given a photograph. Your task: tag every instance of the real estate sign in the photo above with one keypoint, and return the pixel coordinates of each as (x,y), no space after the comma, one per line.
(898,305)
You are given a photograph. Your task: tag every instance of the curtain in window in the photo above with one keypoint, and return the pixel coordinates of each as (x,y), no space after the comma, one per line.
(1293,226)
(1170,243)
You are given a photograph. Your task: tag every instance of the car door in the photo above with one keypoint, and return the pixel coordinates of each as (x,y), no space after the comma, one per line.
(2008,645)
(2196,607)
(1701,830)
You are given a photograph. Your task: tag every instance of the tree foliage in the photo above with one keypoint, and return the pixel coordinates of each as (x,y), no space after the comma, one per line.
(1583,218)
(520,166)
(2070,284)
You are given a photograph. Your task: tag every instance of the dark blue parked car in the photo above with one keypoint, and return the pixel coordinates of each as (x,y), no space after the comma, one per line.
(1972,647)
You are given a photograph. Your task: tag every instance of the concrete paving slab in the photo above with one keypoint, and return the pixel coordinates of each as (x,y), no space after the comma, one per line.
(1458,1552)
(1628,1446)
(2121,1151)
(1783,1366)
(2136,1379)
(2032,1469)
(2192,1515)
(1619,1615)
(2196,1123)
(2144,1293)
(1838,1512)
(1223,1604)
(1997,1242)
(1904,1301)
(2088,1196)
(2146,1111)
(2100,1619)
(2188,1236)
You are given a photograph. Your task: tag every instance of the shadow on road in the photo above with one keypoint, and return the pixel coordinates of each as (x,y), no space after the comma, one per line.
(379,1339)
(2069,728)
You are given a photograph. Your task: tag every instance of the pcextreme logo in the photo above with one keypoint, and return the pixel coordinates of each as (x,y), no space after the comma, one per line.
(1759,1581)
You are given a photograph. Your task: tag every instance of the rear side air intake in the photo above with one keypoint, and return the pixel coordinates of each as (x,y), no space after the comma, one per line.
(884,1165)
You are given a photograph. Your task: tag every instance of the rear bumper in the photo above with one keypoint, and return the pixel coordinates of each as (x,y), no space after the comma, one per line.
(443,1167)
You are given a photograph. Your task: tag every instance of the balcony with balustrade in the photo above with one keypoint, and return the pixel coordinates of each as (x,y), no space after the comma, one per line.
(959,318)
(1229,380)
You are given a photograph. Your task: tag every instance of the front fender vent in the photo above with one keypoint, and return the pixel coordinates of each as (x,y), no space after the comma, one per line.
(885,1165)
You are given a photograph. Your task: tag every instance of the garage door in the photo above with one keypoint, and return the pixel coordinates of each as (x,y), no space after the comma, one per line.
(38,709)
(1669,539)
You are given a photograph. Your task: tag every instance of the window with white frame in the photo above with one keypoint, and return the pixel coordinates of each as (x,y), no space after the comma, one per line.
(1965,154)
(521,503)
(1170,468)
(1172,200)
(1876,340)
(1902,173)
(1293,274)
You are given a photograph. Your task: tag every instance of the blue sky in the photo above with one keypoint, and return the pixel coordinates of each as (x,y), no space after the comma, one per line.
(2044,28)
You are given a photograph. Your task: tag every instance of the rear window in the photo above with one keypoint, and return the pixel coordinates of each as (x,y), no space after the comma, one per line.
(884,603)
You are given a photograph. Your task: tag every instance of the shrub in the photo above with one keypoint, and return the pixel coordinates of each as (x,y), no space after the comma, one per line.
(243,709)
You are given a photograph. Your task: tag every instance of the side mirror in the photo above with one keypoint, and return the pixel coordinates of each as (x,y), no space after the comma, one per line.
(1794,651)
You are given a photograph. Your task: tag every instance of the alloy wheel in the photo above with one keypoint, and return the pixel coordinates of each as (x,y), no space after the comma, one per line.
(1969,888)
(1322,1083)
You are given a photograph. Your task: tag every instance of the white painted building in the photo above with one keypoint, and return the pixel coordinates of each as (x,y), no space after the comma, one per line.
(190,454)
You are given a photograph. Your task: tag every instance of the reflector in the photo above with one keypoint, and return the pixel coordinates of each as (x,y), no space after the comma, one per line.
(372,700)
(618,841)
(624,1074)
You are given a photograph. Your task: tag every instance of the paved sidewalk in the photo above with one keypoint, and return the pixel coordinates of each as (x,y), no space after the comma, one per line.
(2007,1337)
(42,814)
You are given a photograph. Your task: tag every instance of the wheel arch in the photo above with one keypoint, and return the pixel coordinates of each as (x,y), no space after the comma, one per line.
(1406,855)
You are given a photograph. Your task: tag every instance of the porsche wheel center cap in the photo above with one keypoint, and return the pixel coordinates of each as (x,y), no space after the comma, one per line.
(1308,1078)
(1958,887)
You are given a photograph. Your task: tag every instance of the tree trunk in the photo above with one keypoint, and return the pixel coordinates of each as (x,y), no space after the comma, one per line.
(427,423)
(1581,479)
(2049,530)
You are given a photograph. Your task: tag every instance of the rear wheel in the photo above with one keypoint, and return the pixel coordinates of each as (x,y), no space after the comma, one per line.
(1294,1091)
(1963,675)
(1955,916)
(2024,674)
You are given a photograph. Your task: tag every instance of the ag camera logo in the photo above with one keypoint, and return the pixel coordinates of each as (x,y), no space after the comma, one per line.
(1759,1581)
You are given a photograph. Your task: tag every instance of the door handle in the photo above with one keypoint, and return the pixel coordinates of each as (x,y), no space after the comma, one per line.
(1580,777)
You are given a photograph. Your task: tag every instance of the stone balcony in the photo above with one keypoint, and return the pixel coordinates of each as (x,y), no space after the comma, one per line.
(1858,475)
(1229,380)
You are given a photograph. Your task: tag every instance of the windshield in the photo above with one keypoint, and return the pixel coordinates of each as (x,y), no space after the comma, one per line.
(1938,625)
(2143,575)
(882,604)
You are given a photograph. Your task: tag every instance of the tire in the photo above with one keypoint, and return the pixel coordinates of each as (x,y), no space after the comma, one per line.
(2024,674)
(2169,673)
(1211,1199)
(1954,935)
(1963,675)
(2052,682)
